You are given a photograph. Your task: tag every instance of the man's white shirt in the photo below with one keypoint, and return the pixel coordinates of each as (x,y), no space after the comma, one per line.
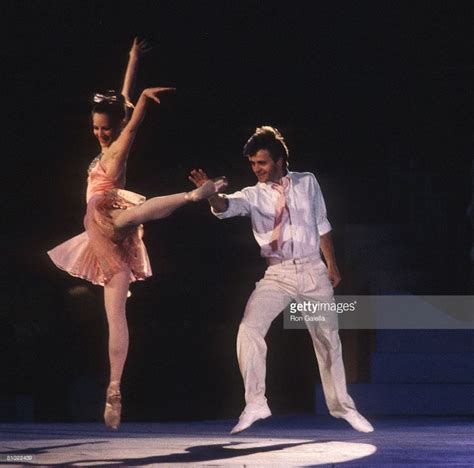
(303,223)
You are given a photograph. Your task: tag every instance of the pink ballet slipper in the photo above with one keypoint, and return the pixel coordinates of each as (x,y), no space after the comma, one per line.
(113,407)
(209,188)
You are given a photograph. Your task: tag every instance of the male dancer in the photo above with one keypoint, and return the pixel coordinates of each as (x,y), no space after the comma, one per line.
(289,223)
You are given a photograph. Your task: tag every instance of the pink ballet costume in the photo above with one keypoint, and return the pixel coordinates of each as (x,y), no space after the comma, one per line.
(103,250)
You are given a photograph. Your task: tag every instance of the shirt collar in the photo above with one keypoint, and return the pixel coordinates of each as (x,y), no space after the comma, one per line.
(268,184)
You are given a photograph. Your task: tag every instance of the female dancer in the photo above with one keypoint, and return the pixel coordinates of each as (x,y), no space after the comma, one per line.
(111,252)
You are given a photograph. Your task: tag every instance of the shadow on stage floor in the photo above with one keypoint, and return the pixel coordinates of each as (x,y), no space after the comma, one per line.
(284,440)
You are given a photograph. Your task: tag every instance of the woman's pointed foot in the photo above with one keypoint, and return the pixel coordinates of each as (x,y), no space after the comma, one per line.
(113,407)
(208,189)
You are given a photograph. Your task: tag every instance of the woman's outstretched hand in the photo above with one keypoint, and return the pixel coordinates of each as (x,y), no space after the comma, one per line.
(152,93)
(139,47)
(198,177)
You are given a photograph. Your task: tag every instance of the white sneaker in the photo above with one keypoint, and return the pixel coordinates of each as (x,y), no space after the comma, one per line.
(358,422)
(250,414)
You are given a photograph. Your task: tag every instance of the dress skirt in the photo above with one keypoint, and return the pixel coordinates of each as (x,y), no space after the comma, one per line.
(102,250)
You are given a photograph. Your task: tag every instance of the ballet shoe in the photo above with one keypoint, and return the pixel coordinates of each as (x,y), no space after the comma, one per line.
(113,407)
(208,189)
(220,183)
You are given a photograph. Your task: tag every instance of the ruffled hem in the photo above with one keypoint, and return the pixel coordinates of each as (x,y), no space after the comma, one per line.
(102,251)
(77,257)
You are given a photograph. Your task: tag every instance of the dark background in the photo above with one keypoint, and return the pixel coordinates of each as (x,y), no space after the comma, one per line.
(373,97)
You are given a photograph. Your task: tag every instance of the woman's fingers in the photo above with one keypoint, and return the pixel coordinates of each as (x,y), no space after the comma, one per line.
(144,46)
(135,44)
(161,90)
(152,93)
(140,47)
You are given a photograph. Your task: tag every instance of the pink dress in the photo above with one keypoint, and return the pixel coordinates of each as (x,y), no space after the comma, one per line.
(102,250)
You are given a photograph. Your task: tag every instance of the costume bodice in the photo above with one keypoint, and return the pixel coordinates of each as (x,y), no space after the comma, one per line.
(98,181)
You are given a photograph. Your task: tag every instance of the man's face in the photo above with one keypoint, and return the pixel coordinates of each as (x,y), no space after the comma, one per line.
(264,168)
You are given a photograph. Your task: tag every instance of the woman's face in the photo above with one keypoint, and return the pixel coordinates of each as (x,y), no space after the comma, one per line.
(103,129)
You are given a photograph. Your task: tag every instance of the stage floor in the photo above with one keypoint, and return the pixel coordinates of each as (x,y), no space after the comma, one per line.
(297,440)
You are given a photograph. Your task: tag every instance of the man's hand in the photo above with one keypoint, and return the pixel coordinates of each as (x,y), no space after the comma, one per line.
(198,177)
(334,275)
(219,204)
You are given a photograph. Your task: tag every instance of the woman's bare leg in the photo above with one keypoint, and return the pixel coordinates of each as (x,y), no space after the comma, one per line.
(161,207)
(115,297)
(154,208)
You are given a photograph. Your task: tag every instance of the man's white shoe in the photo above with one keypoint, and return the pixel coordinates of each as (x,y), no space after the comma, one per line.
(358,422)
(250,414)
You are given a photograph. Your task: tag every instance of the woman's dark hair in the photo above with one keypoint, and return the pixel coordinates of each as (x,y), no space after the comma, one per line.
(112,104)
(270,139)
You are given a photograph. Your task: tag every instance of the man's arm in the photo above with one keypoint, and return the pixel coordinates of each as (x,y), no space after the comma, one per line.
(327,248)
(324,229)
(219,204)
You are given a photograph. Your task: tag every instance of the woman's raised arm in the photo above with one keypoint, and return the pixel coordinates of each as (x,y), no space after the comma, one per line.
(116,155)
(138,49)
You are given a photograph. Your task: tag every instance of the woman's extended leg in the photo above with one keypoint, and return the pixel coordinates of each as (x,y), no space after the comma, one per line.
(154,208)
(161,207)
(115,297)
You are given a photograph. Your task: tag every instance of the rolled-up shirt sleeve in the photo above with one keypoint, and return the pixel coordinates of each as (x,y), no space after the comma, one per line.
(320,207)
(238,205)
